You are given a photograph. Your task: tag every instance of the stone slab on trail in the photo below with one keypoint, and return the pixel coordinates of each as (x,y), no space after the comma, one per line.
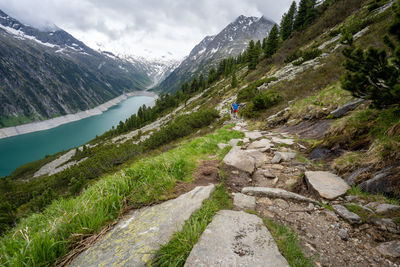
(236,238)
(253,135)
(244,202)
(264,144)
(328,185)
(275,193)
(241,160)
(346,214)
(133,241)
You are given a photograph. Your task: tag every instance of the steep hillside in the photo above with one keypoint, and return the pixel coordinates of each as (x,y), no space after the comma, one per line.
(230,42)
(44,74)
(304,150)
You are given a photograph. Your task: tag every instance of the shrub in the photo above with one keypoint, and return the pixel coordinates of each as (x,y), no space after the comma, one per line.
(262,101)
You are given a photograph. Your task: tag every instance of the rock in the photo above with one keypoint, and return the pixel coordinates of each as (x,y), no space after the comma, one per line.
(341,111)
(390,249)
(328,185)
(351,198)
(263,144)
(253,135)
(276,193)
(283,156)
(352,178)
(260,158)
(310,206)
(381,183)
(235,238)
(234,142)
(133,240)
(246,140)
(343,234)
(222,145)
(372,205)
(385,224)
(320,153)
(287,141)
(281,203)
(244,202)
(347,215)
(242,161)
(267,174)
(387,208)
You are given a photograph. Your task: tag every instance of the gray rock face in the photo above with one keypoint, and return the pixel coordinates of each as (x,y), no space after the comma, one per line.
(385,224)
(391,249)
(244,202)
(234,142)
(260,158)
(320,153)
(275,193)
(236,238)
(352,178)
(240,160)
(134,239)
(253,135)
(341,111)
(387,208)
(328,185)
(381,183)
(347,215)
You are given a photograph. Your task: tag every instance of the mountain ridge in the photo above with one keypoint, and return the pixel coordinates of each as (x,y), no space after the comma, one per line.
(231,41)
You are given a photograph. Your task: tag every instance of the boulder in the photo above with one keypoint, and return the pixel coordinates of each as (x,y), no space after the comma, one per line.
(380,183)
(235,238)
(326,184)
(134,239)
(287,141)
(234,142)
(341,111)
(253,135)
(387,208)
(263,144)
(320,153)
(390,249)
(259,157)
(222,145)
(244,202)
(349,216)
(240,160)
(282,156)
(275,193)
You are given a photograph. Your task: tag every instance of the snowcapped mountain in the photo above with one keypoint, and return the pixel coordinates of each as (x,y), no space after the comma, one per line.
(157,70)
(231,41)
(47,73)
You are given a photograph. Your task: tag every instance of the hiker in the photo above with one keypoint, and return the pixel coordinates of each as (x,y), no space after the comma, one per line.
(235,108)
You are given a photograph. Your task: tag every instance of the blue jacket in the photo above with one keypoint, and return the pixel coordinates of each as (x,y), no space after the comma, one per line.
(235,106)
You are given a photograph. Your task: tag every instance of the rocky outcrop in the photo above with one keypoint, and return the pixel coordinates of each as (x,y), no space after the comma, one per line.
(346,214)
(343,110)
(240,160)
(134,239)
(236,238)
(391,249)
(326,184)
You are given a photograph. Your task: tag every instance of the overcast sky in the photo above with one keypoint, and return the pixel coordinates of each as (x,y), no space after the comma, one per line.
(148,28)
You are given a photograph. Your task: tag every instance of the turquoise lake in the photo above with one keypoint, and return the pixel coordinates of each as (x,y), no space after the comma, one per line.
(21,149)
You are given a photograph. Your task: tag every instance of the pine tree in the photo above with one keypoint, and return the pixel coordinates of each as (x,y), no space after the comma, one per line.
(234,82)
(372,75)
(272,42)
(305,15)
(288,21)
(252,55)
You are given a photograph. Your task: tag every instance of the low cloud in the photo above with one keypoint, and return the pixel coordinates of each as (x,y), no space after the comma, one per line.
(151,28)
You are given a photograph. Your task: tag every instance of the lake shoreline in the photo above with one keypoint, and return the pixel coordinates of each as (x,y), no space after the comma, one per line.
(55,122)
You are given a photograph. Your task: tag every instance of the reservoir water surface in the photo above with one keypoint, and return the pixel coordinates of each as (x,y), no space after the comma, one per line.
(21,149)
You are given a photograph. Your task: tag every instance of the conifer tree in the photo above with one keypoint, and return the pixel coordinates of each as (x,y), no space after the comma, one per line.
(272,42)
(305,15)
(234,82)
(372,75)
(288,21)
(252,55)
